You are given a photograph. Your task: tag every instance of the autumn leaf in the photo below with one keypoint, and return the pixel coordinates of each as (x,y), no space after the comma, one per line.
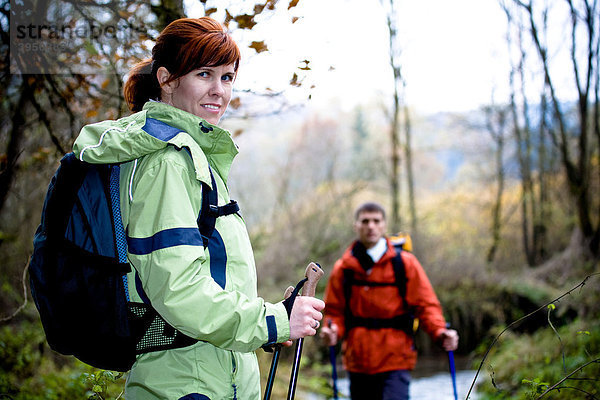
(237,132)
(271,4)
(210,11)
(294,80)
(91,113)
(293,3)
(259,46)
(245,21)
(228,18)
(294,19)
(305,67)
(105,83)
(235,103)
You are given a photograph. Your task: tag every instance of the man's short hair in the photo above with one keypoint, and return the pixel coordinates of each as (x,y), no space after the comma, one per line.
(369,207)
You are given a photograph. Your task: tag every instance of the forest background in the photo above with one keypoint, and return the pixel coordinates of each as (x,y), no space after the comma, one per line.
(501,200)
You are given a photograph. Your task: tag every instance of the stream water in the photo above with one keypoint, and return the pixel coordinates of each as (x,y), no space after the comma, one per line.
(428,383)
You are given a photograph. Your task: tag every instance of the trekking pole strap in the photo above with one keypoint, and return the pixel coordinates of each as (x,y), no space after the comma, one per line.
(289,302)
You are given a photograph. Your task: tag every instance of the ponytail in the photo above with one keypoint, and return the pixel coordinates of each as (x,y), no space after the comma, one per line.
(141,85)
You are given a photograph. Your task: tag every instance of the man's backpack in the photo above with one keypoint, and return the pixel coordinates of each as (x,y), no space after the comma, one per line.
(405,322)
(78,270)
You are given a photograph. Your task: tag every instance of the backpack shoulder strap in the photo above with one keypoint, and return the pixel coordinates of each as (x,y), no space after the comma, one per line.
(120,237)
(400,271)
(347,285)
(211,211)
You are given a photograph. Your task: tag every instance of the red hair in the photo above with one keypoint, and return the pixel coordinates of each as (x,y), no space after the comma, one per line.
(184,45)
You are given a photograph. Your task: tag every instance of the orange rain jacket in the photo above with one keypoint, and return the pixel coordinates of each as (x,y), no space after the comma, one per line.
(371,351)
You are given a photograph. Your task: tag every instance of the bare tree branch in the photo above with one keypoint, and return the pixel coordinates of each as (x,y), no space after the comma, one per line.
(24,304)
(556,385)
(489,349)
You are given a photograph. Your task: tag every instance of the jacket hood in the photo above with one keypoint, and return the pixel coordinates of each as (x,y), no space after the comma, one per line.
(155,127)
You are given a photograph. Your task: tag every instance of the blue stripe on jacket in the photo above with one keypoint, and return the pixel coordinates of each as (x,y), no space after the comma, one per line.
(218,258)
(185,237)
(271,329)
(163,239)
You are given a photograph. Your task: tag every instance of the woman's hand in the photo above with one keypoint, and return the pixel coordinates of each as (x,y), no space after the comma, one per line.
(305,316)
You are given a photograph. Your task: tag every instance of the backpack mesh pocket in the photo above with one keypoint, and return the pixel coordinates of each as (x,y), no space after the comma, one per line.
(155,333)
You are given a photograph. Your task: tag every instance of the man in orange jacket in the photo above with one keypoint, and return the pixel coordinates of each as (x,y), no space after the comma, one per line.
(372,309)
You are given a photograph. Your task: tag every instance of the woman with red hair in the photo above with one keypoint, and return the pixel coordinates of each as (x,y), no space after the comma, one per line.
(173,157)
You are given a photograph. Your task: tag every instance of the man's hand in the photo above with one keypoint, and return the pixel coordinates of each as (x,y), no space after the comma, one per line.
(448,339)
(329,334)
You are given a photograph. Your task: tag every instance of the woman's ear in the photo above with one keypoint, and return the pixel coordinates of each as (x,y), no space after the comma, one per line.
(162,75)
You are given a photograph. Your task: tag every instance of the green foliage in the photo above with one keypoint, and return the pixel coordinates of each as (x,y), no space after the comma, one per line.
(29,370)
(526,366)
(100,381)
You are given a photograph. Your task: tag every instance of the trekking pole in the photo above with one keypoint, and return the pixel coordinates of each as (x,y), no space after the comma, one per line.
(452,372)
(313,274)
(333,367)
(275,360)
(452,368)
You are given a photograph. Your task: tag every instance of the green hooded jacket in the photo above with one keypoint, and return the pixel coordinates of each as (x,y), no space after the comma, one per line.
(209,294)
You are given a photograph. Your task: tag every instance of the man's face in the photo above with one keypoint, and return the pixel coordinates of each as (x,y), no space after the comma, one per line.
(370,227)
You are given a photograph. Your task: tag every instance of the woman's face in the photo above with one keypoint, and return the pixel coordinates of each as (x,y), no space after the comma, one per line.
(204,92)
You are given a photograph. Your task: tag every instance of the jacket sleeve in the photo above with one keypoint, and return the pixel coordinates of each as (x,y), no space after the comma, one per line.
(166,249)
(420,294)
(335,300)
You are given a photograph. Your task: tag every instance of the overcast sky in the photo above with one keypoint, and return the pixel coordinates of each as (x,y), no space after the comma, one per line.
(452,52)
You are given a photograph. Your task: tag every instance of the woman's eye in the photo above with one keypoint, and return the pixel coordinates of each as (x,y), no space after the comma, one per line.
(227,78)
(203,74)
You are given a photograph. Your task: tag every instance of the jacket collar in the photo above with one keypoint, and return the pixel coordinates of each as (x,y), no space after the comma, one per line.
(205,141)
(353,255)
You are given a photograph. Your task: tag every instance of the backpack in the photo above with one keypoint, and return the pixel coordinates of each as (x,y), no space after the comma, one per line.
(406,322)
(78,270)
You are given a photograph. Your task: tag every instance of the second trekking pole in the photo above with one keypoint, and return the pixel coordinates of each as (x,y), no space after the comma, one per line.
(313,274)
(276,351)
(333,368)
(452,372)
(452,368)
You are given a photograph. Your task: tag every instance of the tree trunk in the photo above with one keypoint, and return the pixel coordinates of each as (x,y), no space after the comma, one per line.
(497,133)
(577,168)
(394,129)
(410,183)
(14,149)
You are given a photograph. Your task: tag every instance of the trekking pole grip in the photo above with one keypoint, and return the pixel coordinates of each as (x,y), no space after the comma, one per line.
(313,275)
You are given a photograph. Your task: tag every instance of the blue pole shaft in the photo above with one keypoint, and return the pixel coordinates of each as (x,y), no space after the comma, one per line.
(333,371)
(452,372)
(271,378)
